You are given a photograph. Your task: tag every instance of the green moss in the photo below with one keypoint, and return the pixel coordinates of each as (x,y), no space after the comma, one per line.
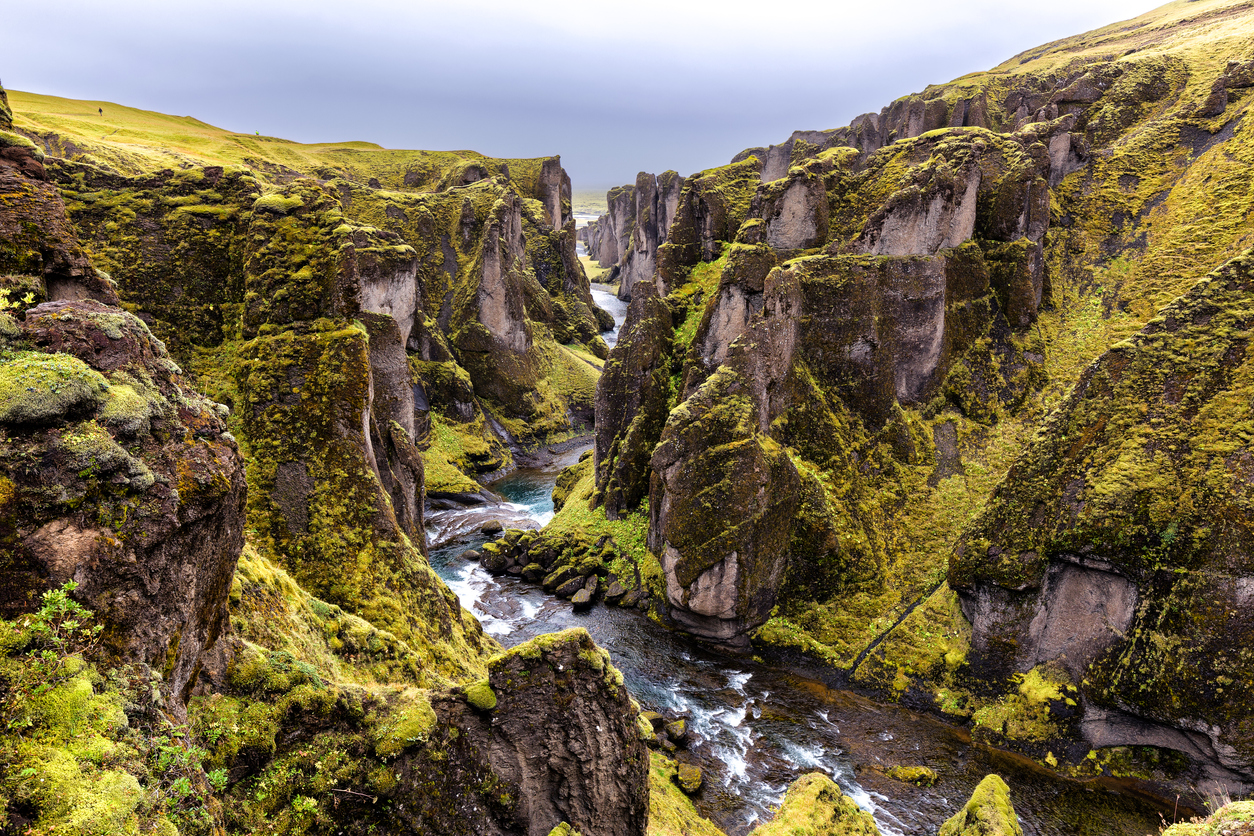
(920,776)
(8,139)
(481,696)
(37,387)
(1030,712)
(815,806)
(988,812)
(409,723)
(278,204)
(671,812)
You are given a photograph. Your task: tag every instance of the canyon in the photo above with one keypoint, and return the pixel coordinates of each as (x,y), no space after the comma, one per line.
(947,410)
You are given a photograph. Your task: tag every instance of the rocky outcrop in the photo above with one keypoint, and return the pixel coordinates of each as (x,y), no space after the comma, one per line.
(328,407)
(493,756)
(585,766)
(712,206)
(1123,516)
(637,222)
(737,300)
(632,403)
(987,813)
(147,510)
(656,202)
(728,503)
(36,237)
(863,335)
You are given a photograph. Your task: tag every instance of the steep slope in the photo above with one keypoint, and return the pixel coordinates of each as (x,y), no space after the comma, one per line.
(490,310)
(866,325)
(333,683)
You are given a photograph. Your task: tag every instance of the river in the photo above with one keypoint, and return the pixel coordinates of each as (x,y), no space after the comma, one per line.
(759,727)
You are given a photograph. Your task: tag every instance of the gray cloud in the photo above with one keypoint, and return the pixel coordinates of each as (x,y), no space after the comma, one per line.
(613,87)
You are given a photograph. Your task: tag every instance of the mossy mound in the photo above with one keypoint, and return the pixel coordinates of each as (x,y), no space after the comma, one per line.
(988,812)
(36,388)
(815,805)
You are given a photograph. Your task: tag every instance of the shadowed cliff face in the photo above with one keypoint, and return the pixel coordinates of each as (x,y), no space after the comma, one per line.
(145,511)
(1118,544)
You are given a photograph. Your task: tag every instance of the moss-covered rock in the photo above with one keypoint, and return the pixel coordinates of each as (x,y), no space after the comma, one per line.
(633,398)
(1131,499)
(119,476)
(988,812)
(815,805)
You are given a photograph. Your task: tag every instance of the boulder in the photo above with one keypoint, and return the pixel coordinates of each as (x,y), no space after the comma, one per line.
(615,593)
(988,812)
(920,776)
(570,587)
(688,777)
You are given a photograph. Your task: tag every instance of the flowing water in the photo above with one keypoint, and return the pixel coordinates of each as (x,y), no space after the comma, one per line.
(756,727)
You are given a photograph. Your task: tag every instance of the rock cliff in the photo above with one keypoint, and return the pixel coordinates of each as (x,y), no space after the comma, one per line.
(346,672)
(1116,546)
(867,325)
(638,221)
(116,475)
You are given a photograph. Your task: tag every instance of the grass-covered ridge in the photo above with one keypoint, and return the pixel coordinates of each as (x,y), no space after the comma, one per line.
(133,141)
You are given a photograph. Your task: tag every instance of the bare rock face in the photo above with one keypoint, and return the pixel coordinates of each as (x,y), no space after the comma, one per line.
(585,765)
(739,297)
(1126,515)
(117,475)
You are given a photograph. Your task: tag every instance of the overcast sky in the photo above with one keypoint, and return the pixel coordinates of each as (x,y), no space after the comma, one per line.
(613,87)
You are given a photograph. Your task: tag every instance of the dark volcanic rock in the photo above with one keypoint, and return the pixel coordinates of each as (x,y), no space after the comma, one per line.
(36,237)
(584,765)
(632,402)
(1118,545)
(147,511)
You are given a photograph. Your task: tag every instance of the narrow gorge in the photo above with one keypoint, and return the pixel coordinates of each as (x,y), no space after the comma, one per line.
(892,479)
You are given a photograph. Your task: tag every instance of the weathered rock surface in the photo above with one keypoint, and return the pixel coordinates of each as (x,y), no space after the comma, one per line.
(632,402)
(1125,515)
(637,221)
(36,237)
(328,406)
(585,765)
(115,474)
